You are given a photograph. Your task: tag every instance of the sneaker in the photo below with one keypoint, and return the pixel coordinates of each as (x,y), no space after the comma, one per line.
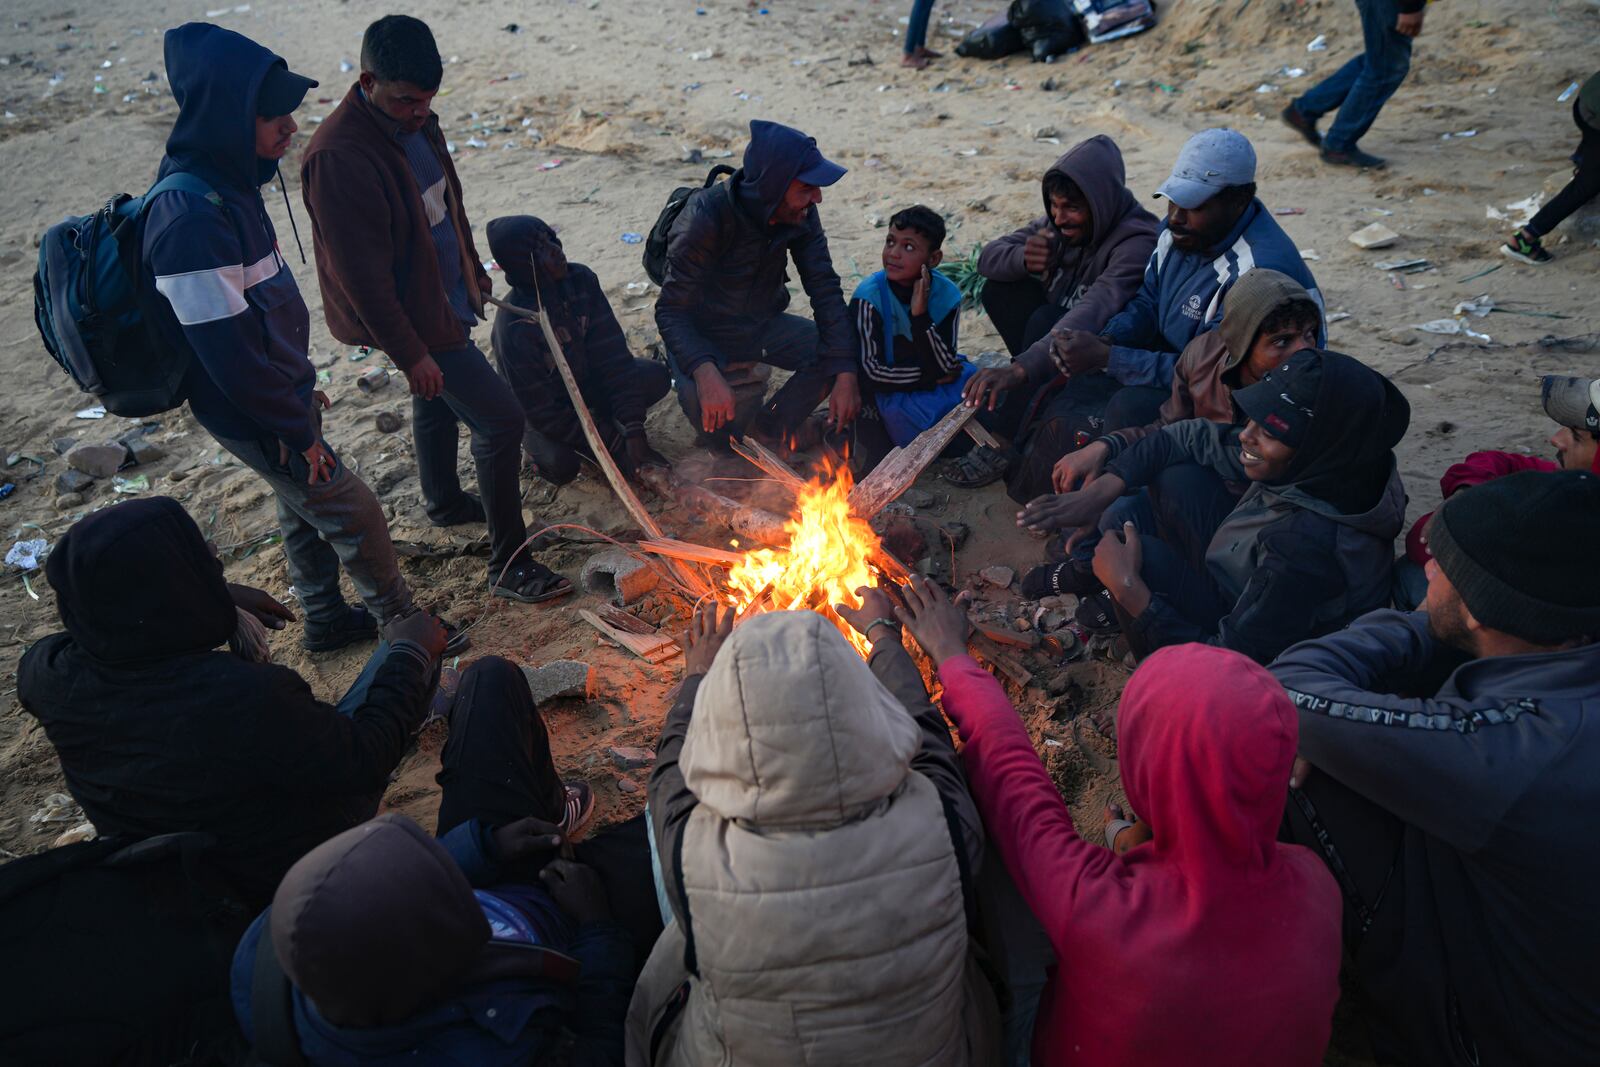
(1305,127)
(1354,157)
(357,624)
(577,810)
(1097,615)
(1519,248)
(1058,579)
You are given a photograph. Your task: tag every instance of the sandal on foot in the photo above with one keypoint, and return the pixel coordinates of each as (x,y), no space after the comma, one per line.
(1519,248)
(1097,616)
(456,640)
(532,583)
(980,467)
(1058,579)
(357,624)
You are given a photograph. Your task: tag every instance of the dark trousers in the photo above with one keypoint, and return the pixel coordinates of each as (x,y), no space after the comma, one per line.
(1361,87)
(1083,409)
(554,439)
(1022,311)
(497,768)
(1584,186)
(917,26)
(476,395)
(785,341)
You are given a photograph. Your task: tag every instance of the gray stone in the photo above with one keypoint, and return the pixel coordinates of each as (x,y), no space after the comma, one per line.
(142,450)
(615,572)
(73,481)
(62,445)
(68,501)
(629,758)
(956,533)
(387,422)
(918,498)
(97,461)
(563,678)
(998,575)
(627,785)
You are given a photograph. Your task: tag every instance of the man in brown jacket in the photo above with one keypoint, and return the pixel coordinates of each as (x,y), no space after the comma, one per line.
(399,272)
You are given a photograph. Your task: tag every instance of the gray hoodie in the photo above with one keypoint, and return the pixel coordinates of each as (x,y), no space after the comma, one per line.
(1093,282)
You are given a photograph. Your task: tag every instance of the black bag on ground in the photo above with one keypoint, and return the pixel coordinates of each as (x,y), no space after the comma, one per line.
(1048,27)
(118,954)
(995,39)
(655,245)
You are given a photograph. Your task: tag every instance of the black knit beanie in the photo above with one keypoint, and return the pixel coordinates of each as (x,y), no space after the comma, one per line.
(1521,552)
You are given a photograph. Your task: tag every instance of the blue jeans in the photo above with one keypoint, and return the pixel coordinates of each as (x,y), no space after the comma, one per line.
(356,695)
(917,30)
(1361,87)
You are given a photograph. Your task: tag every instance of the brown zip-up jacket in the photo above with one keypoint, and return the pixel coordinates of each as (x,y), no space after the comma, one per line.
(376,261)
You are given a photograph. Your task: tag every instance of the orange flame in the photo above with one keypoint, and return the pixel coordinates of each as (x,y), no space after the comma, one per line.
(825,563)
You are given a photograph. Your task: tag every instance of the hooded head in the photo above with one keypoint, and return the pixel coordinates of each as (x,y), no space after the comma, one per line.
(1207,739)
(517,241)
(1258,295)
(776,156)
(792,730)
(217,76)
(1095,167)
(137,582)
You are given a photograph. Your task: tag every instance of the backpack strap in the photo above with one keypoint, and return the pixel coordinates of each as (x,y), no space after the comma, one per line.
(272,1005)
(180,181)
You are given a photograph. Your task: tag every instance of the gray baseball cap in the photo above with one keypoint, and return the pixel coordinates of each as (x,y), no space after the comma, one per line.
(1211,161)
(1572,402)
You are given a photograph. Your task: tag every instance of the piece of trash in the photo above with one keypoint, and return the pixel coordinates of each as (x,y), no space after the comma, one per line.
(473,142)
(1410,266)
(1429,192)
(324,377)
(636,288)
(966,151)
(6,490)
(1265,88)
(1166,88)
(551,164)
(345,66)
(1338,316)
(1398,282)
(1566,94)
(137,484)
(631,238)
(1309,253)
(709,53)
(1463,133)
(1290,211)
(1450,327)
(1481,273)
(1319,43)
(1374,235)
(1479,306)
(58,807)
(360,354)
(96,412)
(1294,72)
(27,555)
(373,379)
(511,27)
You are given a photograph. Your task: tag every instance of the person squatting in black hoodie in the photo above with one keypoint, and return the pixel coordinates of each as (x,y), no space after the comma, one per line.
(617,388)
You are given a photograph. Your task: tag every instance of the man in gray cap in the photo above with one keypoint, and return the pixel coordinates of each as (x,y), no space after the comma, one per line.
(1216,229)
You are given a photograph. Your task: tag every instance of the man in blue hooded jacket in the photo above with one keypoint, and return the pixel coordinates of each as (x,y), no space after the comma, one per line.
(722,305)
(218,287)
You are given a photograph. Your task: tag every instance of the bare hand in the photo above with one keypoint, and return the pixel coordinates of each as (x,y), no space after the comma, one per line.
(321,400)
(577,890)
(939,626)
(1299,771)
(1036,252)
(716,398)
(524,838)
(1057,512)
(1128,836)
(844,403)
(320,462)
(1079,352)
(1409,24)
(919,292)
(421,628)
(427,380)
(1077,469)
(875,607)
(1119,558)
(985,388)
(707,632)
(261,604)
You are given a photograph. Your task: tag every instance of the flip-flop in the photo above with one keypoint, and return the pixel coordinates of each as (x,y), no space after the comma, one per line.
(532,583)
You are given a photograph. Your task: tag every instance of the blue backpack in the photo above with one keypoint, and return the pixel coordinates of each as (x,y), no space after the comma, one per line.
(86,303)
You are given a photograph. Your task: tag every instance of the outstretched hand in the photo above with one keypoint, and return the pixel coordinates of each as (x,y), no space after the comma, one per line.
(524,838)
(939,625)
(876,607)
(708,631)
(261,604)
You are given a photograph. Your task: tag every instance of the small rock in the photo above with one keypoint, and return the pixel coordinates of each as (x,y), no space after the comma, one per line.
(562,678)
(1039,133)
(630,758)
(998,576)
(627,785)
(918,498)
(1398,337)
(1023,624)
(387,422)
(619,574)
(97,461)
(62,445)
(141,449)
(956,533)
(1374,236)
(73,481)
(68,501)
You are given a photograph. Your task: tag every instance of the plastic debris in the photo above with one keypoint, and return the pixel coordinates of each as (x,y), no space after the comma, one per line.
(27,555)
(709,53)
(551,164)
(58,807)
(1479,306)
(1294,72)
(1405,266)
(1566,94)
(473,142)
(1463,133)
(6,490)
(1290,211)
(1338,316)
(1319,43)
(96,412)
(360,354)
(137,484)
(1266,88)
(1479,274)
(1309,254)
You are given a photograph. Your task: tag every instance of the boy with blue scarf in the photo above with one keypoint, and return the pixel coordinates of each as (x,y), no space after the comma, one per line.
(906,318)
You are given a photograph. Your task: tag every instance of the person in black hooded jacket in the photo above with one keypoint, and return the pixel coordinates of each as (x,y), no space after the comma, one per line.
(1306,549)
(617,388)
(159,733)
(722,304)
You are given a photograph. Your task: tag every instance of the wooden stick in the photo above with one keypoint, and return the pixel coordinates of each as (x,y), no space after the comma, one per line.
(761,456)
(674,549)
(976,431)
(653,648)
(755,524)
(991,651)
(902,467)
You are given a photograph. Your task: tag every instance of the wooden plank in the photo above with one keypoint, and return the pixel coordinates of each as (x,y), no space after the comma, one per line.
(759,455)
(674,549)
(976,431)
(1000,635)
(651,648)
(902,467)
(996,656)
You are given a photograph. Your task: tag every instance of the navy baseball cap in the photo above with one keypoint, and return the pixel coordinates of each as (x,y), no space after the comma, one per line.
(281,91)
(818,169)
(1281,402)
(1211,161)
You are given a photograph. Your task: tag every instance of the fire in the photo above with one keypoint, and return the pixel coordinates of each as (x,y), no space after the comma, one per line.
(825,563)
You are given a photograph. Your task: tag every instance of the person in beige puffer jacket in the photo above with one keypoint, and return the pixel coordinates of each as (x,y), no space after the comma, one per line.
(816,840)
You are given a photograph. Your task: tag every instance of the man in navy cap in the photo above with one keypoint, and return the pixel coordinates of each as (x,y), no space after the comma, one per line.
(722,306)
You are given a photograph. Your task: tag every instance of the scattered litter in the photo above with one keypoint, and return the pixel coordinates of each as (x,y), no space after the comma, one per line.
(1266,88)
(1450,327)
(345,66)
(360,354)
(1319,43)
(1309,254)
(6,490)
(1294,72)
(1374,235)
(966,151)
(637,288)
(58,807)
(1338,316)
(84,831)
(1398,282)
(1566,94)
(373,379)
(1481,273)
(631,238)
(137,484)
(1463,133)
(96,412)
(26,555)
(1429,192)
(1405,266)
(709,53)
(324,377)
(1290,211)
(551,164)
(473,142)
(1479,306)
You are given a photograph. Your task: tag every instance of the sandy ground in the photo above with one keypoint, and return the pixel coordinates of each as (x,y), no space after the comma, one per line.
(620,94)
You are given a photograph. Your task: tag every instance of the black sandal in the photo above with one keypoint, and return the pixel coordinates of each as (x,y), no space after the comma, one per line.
(1097,615)
(532,583)
(980,467)
(1058,579)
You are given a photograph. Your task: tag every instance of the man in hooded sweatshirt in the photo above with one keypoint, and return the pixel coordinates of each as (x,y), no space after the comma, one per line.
(219,288)
(617,388)
(784,756)
(1447,776)
(399,272)
(1212,944)
(722,305)
(1072,268)
(1306,549)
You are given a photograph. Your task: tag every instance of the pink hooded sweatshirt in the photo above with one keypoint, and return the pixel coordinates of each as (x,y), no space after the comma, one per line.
(1213,944)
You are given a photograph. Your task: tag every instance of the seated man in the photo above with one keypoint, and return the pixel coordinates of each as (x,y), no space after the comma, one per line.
(617,388)
(907,318)
(1446,773)
(1070,269)
(1216,230)
(386,943)
(721,308)
(1179,926)
(1305,550)
(784,757)
(158,733)
(1266,318)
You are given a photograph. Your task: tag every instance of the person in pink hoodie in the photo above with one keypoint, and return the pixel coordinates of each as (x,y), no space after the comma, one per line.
(1212,943)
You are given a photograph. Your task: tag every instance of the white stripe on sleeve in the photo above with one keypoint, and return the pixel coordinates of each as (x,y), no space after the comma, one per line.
(261,270)
(202,296)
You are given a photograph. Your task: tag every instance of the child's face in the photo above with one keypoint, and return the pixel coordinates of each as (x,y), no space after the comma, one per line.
(1271,350)
(905,253)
